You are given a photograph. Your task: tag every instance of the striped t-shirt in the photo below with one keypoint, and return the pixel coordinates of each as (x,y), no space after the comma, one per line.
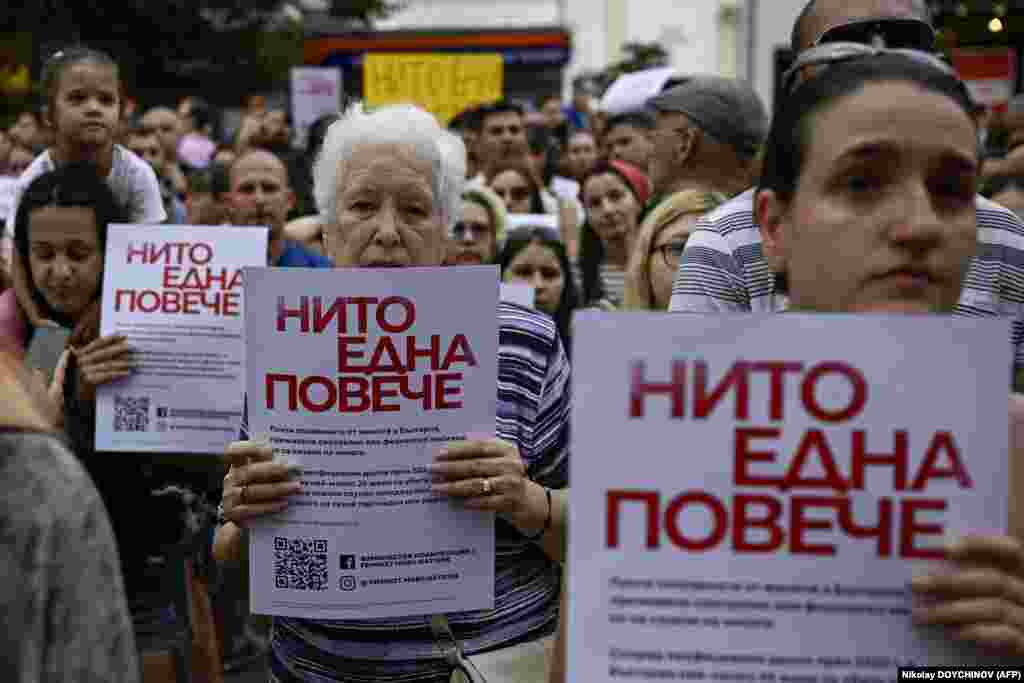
(533,413)
(613,282)
(724,270)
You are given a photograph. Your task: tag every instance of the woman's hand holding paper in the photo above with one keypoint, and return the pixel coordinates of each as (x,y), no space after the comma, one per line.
(490,475)
(256,484)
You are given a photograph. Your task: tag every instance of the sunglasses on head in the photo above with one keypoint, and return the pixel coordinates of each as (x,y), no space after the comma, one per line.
(896,34)
(534,232)
(834,53)
(60,195)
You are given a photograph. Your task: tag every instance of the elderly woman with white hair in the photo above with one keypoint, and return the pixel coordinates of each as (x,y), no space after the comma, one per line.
(388,184)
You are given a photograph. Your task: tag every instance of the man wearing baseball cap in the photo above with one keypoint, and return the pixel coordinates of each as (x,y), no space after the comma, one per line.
(707,134)
(724,269)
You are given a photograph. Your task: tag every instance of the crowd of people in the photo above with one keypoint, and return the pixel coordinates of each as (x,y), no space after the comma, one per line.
(862,193)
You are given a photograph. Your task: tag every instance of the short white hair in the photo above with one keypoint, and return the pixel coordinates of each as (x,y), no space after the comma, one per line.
(400,124)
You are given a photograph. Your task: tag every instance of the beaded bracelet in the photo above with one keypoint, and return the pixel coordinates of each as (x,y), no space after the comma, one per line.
(547,522)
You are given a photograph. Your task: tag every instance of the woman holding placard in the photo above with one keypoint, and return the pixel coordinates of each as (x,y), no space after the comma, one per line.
(866,204)
(388,185)
(60,234)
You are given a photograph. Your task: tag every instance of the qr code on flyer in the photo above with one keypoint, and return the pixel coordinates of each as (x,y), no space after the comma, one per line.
(131,414)
(300,563)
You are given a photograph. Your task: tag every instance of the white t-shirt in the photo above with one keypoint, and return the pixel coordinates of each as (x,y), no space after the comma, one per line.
(8,188)
(131,178)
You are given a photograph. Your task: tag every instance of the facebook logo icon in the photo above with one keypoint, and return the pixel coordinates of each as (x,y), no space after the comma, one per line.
(348,562)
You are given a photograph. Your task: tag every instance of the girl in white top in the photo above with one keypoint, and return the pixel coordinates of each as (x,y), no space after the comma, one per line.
(84,97)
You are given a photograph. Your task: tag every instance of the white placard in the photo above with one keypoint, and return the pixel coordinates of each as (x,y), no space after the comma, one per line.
(316,90)
(175,291)
(8,190)
(690,560)
(530,220)
(518,293)
(364,430)
(631,91)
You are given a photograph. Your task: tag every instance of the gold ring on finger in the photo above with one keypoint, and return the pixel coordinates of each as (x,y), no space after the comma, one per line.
(241,496)
(486,487)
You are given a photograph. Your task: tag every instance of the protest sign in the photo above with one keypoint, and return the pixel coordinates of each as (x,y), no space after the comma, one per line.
(316,90)
(516,221)
(759,490)
(518,293)
(363,390)
(176,293)
(631,91)
(442,84)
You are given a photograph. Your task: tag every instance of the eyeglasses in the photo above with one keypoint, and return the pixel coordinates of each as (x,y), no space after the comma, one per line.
(896,34)
(466,230)
(833,53)
(672,252)
(514,194)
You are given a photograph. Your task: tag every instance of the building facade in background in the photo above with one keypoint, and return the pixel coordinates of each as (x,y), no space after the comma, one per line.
(732,38)
(746,39)
(701,36)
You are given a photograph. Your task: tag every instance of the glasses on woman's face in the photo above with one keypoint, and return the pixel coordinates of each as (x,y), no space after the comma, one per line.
(512,194)
(468,231)
(672,252)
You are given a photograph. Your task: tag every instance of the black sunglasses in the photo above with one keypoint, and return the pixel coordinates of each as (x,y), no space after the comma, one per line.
(833,53)
(895,34)
(534,232)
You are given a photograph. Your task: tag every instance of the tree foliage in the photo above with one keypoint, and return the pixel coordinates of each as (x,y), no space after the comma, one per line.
(364,9)
(636,57)
(175,44)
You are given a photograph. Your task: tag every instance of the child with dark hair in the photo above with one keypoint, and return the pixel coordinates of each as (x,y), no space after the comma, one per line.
(84,95)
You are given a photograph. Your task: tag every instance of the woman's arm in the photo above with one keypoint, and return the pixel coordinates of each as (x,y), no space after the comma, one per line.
(231,545)
(533,518)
